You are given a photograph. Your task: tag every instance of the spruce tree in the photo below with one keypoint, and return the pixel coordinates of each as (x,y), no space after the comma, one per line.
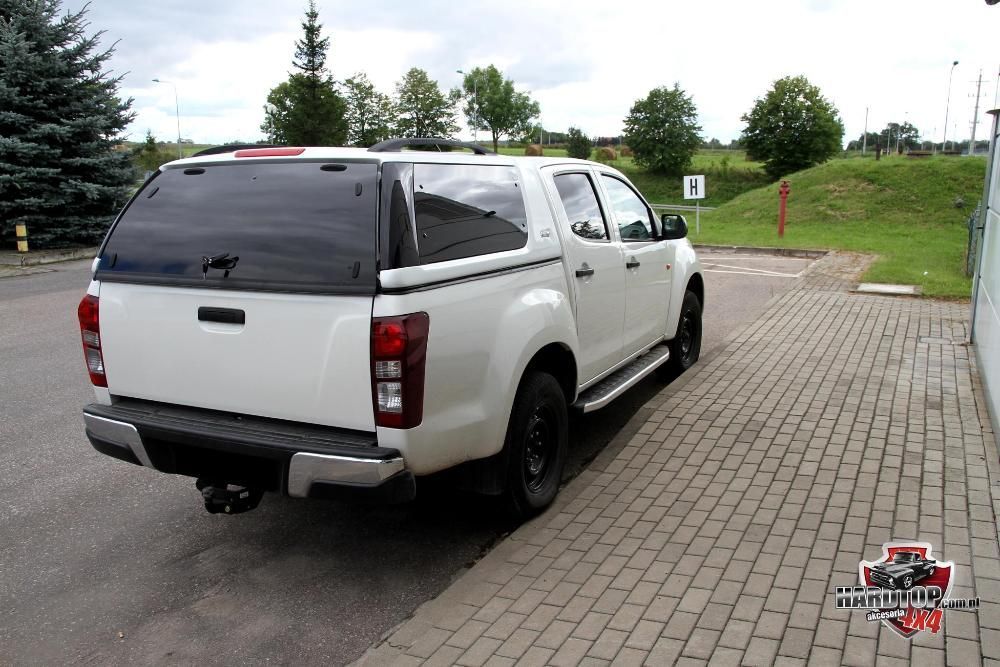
(60,120)
(307,110)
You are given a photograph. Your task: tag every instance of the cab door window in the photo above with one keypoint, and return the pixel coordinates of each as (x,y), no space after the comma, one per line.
(635,222)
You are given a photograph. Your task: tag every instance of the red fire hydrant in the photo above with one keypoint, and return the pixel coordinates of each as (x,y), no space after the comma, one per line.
(783,194)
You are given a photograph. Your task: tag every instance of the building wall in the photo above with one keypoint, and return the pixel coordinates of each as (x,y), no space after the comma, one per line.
(986,328)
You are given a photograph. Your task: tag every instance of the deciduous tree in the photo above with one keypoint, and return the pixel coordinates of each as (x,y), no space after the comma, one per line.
(60,120)
(370,114)
(792,127)
(662,130)
(422,110)
(492,104)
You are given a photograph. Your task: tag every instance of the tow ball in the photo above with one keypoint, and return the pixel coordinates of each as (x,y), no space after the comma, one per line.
(224,498)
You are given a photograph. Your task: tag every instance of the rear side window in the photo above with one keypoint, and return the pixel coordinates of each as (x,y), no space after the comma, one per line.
(467,210)
(582,208)
(275,226)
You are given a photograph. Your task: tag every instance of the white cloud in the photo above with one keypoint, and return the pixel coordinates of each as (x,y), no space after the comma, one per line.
(585,62)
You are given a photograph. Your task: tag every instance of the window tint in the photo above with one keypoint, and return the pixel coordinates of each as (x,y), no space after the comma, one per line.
(294,226)
(467,210)
(630,212)
(581,206)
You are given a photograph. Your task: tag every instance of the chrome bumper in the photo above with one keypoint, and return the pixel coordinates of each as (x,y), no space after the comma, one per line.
(304,470)
(118,433)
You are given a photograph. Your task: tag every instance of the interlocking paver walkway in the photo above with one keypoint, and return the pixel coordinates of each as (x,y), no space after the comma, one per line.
(719,531)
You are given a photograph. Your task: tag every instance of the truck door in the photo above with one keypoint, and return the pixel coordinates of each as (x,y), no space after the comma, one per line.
(646,261)
(596,269)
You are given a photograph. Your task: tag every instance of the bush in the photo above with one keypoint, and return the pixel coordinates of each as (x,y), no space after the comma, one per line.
(578,144)
(149,155)
(663,132)
(533,150)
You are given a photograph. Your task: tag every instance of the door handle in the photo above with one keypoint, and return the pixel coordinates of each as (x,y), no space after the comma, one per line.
(584,271)
(631,263)
(224,315)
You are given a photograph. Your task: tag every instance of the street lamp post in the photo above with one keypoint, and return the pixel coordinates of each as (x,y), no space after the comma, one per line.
(475,107)
(177,110)
(947,106)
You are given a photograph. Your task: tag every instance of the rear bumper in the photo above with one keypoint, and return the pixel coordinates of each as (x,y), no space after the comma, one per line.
(303,461)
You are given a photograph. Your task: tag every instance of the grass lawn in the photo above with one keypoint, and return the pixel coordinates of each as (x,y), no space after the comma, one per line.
(900,209)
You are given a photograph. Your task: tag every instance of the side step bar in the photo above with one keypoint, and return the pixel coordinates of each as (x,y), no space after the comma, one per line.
(616,384)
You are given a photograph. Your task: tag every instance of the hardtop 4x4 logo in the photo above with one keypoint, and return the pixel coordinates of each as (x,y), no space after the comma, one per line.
(907,589)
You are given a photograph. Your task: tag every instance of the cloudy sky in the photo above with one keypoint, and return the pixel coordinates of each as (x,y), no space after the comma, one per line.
(585,61)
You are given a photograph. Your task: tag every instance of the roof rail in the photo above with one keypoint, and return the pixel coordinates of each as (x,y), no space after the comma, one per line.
(230,148)
(392,145)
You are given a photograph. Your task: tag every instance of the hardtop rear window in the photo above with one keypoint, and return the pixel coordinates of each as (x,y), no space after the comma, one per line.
(466,210)
(293,225)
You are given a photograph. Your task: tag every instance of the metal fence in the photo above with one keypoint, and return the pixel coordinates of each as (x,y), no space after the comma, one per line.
(975,233)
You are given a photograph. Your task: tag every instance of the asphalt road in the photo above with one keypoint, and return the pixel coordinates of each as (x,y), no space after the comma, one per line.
(104,562)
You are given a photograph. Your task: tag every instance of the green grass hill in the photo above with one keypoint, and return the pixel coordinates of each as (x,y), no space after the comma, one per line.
(904,210)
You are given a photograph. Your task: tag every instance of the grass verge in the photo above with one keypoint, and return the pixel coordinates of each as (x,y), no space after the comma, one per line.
(900,209)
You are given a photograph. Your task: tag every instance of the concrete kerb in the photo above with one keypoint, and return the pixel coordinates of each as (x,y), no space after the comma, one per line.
(46,256)
(753,250)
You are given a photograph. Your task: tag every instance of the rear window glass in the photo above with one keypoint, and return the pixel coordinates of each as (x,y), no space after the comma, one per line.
(285,226)
(467,210)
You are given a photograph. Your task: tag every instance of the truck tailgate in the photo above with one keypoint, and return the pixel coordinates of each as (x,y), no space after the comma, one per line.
(297,356)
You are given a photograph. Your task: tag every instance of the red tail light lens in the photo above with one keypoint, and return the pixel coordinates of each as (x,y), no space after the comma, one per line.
(90,332)
(399,352)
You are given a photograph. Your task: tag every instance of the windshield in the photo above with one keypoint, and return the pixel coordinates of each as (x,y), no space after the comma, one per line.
(278,226)
(904,557)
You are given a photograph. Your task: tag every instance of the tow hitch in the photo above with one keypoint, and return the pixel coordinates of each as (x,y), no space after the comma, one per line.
(224,498)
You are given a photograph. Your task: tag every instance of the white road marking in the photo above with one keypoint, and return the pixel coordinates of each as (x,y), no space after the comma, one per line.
(763,272)
(758,257)
(756,273)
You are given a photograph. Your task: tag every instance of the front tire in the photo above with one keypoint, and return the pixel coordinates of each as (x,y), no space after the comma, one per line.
(685,348)
(536,444)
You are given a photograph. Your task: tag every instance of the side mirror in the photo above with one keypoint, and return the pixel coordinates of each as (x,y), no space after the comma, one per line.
(674,226)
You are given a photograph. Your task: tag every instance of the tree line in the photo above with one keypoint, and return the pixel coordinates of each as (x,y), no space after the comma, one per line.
(792,127)
(63,175)
(310,108)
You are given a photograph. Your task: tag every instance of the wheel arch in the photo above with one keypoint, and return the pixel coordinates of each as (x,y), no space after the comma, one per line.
(696,284)
(558,360)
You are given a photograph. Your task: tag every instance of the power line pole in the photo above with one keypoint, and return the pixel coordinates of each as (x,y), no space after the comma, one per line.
(975,115)
(864,138)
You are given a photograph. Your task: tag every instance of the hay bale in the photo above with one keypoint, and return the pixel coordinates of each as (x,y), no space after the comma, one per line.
(533,150)
(627,152)
(606,154)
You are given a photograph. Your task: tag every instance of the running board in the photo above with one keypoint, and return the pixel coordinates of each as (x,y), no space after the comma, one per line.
(616,384)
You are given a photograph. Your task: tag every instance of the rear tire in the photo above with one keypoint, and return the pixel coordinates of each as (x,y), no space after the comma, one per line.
(685,348)
(536,444)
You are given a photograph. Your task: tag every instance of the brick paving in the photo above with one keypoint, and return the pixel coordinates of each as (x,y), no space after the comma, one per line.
(718,532)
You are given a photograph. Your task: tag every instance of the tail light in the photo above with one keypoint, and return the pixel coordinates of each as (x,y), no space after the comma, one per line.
(399,352)
(90,331)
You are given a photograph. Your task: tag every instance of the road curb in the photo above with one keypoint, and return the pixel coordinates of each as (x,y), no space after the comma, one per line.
(754,250)
(47,257)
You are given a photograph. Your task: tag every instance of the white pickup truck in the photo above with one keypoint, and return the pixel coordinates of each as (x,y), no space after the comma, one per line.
(322,321)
